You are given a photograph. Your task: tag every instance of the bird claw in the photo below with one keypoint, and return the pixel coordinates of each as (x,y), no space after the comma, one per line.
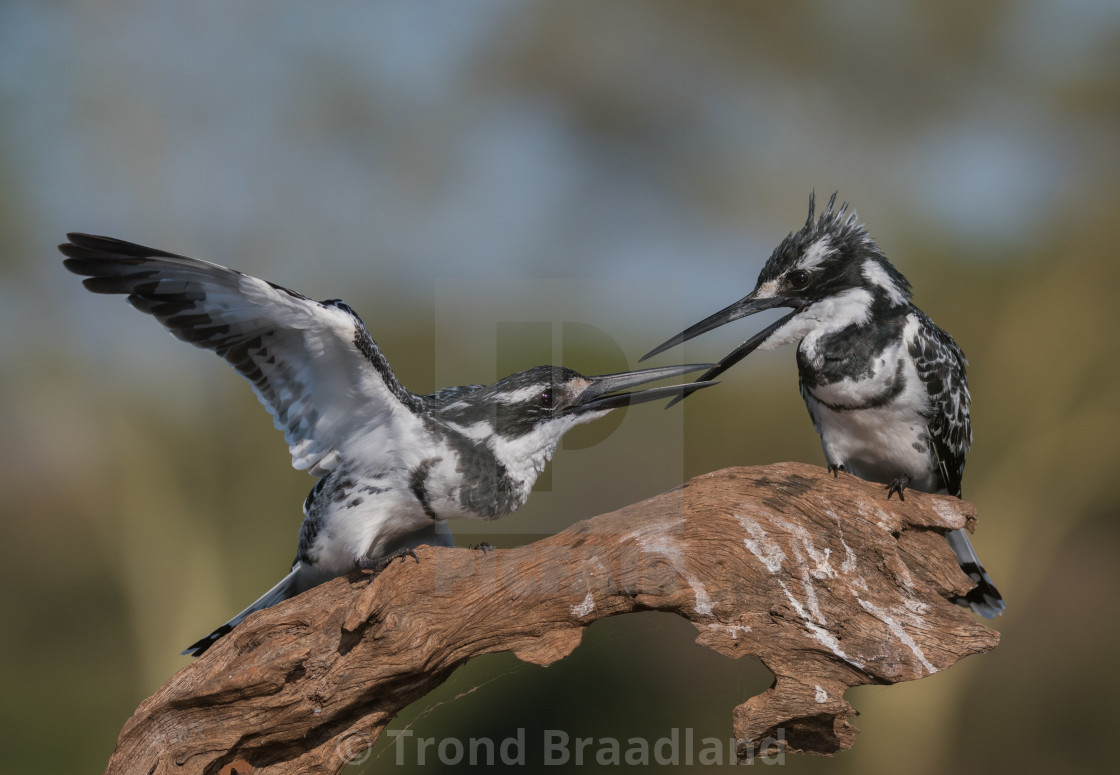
(835,469)
(375,566)
(898,485)
(482,546)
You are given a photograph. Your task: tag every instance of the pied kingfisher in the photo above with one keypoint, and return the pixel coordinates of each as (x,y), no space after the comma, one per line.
(884,385)
(392,465)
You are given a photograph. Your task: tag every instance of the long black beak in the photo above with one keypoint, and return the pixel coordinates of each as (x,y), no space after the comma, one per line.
(748,305)
(602,393)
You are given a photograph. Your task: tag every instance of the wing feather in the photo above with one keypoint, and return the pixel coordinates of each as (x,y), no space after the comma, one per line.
(941,367)
(312,364)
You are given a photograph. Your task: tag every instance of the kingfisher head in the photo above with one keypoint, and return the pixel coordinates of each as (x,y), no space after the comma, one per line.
(827,257)
(527,413)
(829,273)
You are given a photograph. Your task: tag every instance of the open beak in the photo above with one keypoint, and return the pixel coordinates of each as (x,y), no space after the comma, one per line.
(748,305)
(603,392)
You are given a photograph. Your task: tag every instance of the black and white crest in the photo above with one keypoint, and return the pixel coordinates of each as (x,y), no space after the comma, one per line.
(834,252)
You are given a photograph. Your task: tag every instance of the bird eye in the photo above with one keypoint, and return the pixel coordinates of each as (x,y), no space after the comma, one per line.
(798,279)
(546,397)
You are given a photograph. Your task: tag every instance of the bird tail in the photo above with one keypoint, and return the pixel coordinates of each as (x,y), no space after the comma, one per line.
(287,587)
(983,598)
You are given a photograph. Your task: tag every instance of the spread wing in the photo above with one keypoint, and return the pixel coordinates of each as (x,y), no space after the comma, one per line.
(941,367)
(312,364)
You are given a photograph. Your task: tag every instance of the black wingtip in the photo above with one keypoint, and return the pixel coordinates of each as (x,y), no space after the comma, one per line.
(80,240)
(83,245)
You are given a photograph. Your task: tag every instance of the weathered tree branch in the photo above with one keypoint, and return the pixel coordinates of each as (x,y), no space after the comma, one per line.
(822,578)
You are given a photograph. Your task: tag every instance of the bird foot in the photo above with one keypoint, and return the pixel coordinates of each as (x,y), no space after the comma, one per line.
(898,485)
(482,546)
(835,469)
(379,564)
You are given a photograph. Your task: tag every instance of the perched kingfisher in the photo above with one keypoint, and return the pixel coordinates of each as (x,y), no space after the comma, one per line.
(393,466)
(885,387)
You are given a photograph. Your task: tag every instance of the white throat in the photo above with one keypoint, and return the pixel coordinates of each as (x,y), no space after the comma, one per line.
(827,316)
(525,457)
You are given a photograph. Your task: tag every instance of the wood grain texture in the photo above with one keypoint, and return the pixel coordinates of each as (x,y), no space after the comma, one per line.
(821,578)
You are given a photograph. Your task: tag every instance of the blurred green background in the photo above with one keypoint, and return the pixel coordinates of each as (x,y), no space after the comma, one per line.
(498,184)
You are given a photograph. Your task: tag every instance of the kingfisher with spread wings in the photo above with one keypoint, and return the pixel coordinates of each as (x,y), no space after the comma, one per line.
(392,466)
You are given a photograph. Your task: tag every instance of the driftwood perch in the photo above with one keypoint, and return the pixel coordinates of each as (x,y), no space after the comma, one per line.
(821,578)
